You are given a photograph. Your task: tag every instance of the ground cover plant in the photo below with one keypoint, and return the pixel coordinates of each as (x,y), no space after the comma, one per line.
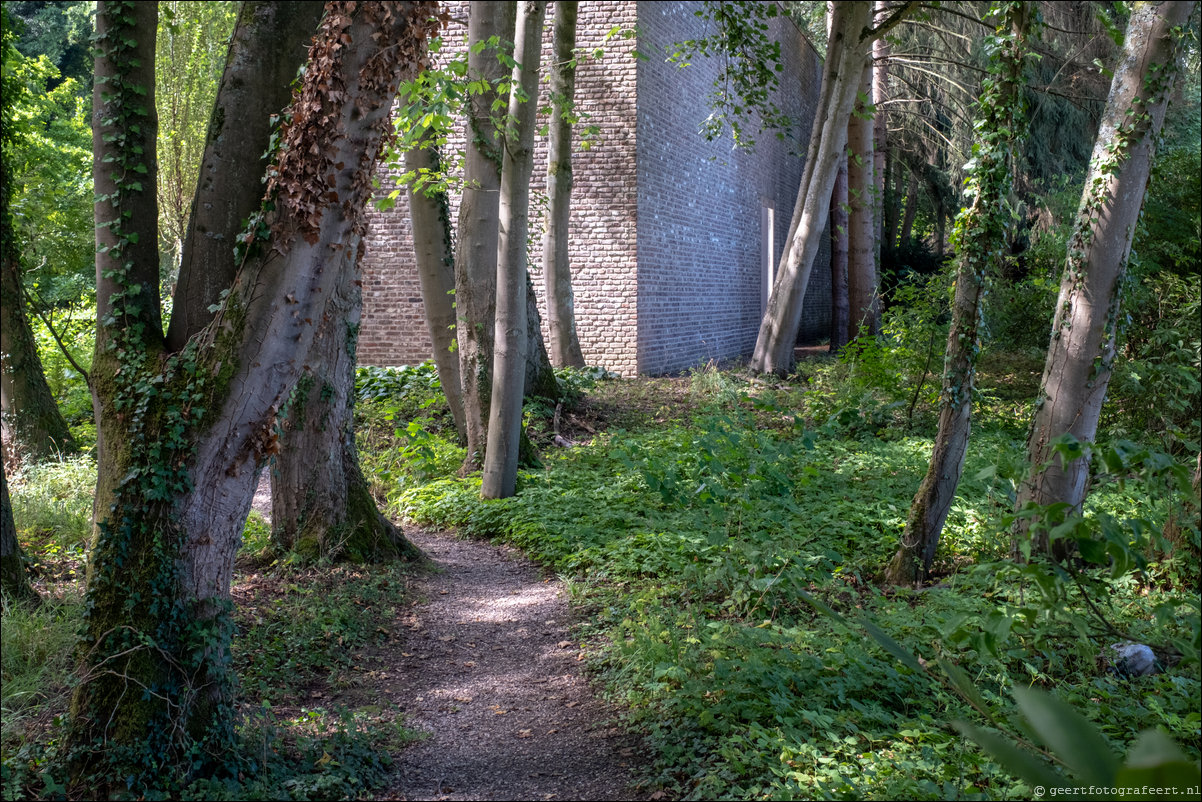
(710,531)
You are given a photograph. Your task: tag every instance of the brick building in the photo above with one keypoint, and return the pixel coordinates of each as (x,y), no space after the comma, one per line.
(674,239)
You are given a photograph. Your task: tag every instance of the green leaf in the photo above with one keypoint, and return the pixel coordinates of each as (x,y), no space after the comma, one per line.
(1072,738)
(964,686)
(1009,756)
(893,647)
(1156,763)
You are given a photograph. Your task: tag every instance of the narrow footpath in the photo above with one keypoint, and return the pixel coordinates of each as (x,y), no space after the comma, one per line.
(487,668)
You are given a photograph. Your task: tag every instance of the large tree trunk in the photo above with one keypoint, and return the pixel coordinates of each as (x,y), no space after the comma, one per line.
(183,435)
(557,274)
(1088,312)
(320,502)
(510,337)
(880,152)
(840,309)
(861,226)
(828,140)
(14,583)
(981,237)
(476,247)
(433,252)
(228,191)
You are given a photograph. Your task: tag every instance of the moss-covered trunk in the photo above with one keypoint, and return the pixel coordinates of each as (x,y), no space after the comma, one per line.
(183,433)
(14,582)
(320,502)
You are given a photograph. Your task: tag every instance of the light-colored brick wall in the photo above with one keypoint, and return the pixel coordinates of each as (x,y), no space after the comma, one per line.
(701,223)
(665,248)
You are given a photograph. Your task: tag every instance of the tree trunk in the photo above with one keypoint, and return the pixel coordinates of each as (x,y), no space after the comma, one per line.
(183,434)
(510,335)
(907,227)
(476,250)
(557,274)
(981,238)
(1088,312)
(433,251)
(861,227)
(320,502)
(840,310)
(889,225)
(539,380)
(29,417)
(228,192)
(880,173)
(14,583)
(828,141)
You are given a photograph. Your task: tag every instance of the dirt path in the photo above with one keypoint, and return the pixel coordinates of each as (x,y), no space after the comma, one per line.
(489,670)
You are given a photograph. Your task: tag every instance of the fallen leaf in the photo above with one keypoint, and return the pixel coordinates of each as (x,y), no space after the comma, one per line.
(470,663)
(525,734)
(564,644)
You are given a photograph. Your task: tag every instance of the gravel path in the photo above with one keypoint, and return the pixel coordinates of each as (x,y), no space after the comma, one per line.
(488,669)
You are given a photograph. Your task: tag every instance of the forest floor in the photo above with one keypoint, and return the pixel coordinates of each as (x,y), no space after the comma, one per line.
(483,671)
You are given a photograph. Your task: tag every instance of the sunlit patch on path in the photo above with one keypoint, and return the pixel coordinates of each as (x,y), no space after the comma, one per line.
(488,669)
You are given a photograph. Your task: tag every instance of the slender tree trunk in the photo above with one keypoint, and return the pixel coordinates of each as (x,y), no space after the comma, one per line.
(889,226)
(840,310)
(476,247)
(14,582)
(557,273)
(981,238)
(183,434)
(907,227)
(828,141)
(880,172)
(435,258)
(509,359)
(539,374)
(861,228)
(321,505)
(1082,350)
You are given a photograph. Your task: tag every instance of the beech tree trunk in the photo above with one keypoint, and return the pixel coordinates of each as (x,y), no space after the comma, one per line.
(861,225)
(840,309)
(182,435)
(433,251)
(828,141)
(509,359)
(981,239)
(476,247)
(557,273)
(1081,355)
(321,505)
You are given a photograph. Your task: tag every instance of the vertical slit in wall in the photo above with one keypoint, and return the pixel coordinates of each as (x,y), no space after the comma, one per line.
(767,251)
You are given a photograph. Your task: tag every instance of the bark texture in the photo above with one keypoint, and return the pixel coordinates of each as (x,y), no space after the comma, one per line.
(228,192)
(828,141)
(320,502)
(434,254)
(476,246)
(861,226)
(184,434)
(981,240)
(1082,350)
(840,310)
(557,274)
(499,477)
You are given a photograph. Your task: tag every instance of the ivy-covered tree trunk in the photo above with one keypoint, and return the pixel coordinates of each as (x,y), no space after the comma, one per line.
(476,247)
(510,337)
(980,242)
(840,307)
(828,141)
(321,505)
(183,434)
(29,417)
(1089,309)
(434,254)
(14,582)
(557,273)
(861,224)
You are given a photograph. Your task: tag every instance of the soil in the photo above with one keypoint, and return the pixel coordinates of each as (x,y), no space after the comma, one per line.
(486,669)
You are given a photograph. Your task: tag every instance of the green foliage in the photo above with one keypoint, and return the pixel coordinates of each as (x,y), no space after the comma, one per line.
(748,75)
(52,509)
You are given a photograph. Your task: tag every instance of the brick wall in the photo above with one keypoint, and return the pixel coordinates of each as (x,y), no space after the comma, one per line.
(701,216)
(665,251)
